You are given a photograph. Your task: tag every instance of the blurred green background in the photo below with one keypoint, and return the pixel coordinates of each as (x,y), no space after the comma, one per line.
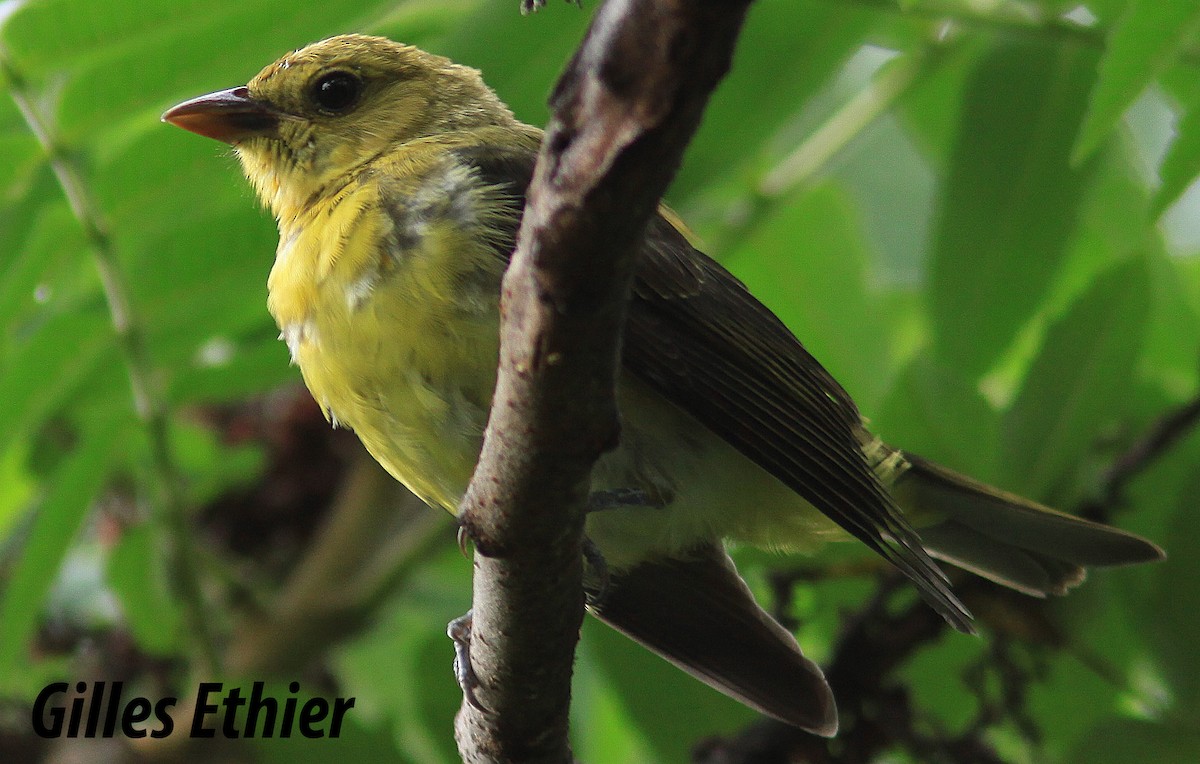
(980,216)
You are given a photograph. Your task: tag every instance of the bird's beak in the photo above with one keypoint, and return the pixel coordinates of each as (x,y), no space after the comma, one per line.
(227,115)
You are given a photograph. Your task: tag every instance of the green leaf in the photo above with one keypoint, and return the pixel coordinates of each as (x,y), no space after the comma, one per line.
(400,670)
(600,726)
(1144,42)
(53,33)
(1079,382)
(154,618)
(17,487)
(252,368)
(931,109)
(1120,740)
(807,262)
(356,742)
(227,45)
(1174,329)
(1170,613)
(46,368)
(1009,206)
(69,495)
(1182,163)
(934,411)
(767,88)
(20,156)
(520,57)
(936,676)
(42,234)
(670,709)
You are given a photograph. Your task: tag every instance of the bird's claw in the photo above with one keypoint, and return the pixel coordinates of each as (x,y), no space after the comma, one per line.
(618,498)
(459,630)
(593,557)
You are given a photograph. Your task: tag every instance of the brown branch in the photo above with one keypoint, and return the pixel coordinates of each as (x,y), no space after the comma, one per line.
(623,112)
(1162,434)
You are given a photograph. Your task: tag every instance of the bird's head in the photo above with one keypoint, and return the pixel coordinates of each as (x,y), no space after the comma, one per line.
(312,117)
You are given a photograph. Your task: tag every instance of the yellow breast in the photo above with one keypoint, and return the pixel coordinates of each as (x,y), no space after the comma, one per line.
(386,294)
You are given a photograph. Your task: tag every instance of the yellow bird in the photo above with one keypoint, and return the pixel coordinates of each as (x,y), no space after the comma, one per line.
(398,181)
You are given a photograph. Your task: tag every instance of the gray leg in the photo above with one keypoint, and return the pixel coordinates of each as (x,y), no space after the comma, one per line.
(598,567)
(459,630)
(617,498)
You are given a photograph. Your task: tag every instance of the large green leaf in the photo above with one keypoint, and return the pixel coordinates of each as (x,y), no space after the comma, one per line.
(668,708)
(601,729)
(44,369)
(1141,45)
(1079,382)
(41,233)
(932,107)
(935,412)
(54,34)
(1169,615)
(1174,329)
(807,262)
(401,670)
(519,56)
(68,495)
(1120,740)
(153,617)
(770,83)
(19,150)
(227,47)
(356,742)
(1182,163)
(1009,206)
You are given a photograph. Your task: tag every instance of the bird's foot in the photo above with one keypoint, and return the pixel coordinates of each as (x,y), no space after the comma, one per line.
(596,576)
(619,498)
(464,539)
(459,630)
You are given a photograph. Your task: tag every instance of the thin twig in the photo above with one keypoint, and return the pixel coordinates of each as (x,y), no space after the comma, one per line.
(167,499)
(1159,437)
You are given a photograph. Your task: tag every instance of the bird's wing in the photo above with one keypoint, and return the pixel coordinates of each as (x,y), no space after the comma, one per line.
(696,335)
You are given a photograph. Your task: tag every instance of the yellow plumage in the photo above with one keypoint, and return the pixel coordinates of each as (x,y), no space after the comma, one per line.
(386,339)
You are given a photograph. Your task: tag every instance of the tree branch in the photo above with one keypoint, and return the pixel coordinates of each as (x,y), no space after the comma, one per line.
(623,112)
(1162,435)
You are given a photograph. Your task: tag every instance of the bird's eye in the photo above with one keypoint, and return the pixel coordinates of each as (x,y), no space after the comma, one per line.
(336,91)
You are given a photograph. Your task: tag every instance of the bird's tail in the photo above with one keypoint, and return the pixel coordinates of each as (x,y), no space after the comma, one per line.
(1006,538)
(698,614)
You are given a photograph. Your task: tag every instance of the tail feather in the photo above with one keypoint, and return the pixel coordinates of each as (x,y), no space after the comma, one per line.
(1007,538)
(1028,572)
(698,614)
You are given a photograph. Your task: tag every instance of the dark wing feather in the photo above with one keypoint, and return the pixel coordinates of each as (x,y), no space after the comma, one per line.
(698,337)
(699,614)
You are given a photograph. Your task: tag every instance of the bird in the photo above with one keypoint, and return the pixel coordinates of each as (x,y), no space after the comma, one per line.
(398,180)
